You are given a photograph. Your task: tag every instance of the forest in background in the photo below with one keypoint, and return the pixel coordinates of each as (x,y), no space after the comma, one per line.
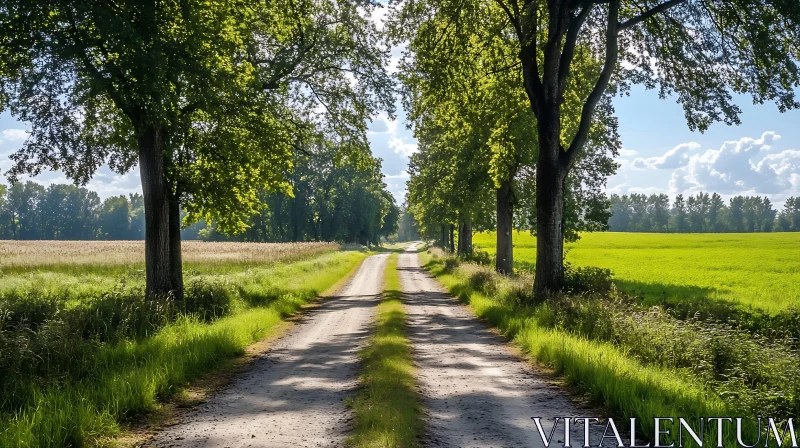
(701,213)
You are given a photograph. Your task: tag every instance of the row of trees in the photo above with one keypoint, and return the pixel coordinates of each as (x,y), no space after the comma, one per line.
(334,199)
(701,213)
(30,211)
(211,100)
(509,100)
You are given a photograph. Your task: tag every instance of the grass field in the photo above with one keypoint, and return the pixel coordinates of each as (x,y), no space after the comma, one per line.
(83,351)
(758,271)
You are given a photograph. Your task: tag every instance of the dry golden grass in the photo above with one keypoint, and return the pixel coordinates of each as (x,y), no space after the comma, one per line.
(30,254)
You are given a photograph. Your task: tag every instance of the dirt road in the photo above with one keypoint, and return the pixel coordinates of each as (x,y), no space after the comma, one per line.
(475,392)
(293,395)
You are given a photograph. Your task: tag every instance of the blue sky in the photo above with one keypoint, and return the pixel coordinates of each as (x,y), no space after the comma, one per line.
(660,154)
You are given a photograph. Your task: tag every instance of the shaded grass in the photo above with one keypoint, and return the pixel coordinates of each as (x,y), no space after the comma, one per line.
(624,386)
(387,407)
(86,404)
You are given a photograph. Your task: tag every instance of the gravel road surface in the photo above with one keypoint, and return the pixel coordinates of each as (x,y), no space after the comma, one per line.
(293,395)
(475,392)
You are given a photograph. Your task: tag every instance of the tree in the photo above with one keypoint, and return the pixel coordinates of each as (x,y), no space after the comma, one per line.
(789,217)
(6,217)
(209,98)
(115,218)
(701,50)
(736,214)
(679,209)
(407,230)
(620,213)
(659,204)
(715,210)
(136,216)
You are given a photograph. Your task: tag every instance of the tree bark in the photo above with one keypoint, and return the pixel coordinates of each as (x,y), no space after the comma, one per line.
(156,212)
(175,257)
(465,237)
(452,239)
(550,176)
(504,259)
(468,236)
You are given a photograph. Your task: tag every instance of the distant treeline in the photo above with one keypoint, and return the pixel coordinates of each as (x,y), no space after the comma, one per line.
(30,211)
(701,213)
(333,199)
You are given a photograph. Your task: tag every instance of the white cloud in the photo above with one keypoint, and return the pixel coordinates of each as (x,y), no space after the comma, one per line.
(672,159)
(402,148)
(403,175)
(627,152)
(382,124)
(744,166)
(14,135)
(624,188)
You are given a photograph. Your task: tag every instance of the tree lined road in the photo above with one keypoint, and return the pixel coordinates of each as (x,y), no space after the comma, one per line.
(293,395)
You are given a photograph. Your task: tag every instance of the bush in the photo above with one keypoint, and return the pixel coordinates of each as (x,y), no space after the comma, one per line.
(587,280)
(480,257)
(450,264)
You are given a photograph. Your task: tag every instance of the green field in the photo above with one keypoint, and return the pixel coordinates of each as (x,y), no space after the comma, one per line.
(756,271)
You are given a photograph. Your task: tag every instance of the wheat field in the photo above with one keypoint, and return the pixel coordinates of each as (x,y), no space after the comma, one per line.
(33,254)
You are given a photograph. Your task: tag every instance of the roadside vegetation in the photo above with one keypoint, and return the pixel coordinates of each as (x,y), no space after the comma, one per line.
(82,357)
(634,360)
(387,407)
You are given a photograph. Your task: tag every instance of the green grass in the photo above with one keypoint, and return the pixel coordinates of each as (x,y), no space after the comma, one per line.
(623,385)
(757,271)
(109,383)
(387,407)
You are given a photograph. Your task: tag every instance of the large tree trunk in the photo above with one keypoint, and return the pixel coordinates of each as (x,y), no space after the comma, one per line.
(465,237)
(175,258)
(550,175)
(156,213)
(504,259)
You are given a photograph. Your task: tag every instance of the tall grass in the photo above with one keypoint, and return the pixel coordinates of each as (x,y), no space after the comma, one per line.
(387,407)
(82,398)
(624,370)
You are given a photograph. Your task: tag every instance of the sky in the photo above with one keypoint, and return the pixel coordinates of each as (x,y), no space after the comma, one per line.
(659,155)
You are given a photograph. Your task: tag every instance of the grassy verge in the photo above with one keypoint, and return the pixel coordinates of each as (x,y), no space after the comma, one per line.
(111,382)
(609,374)
(387,407)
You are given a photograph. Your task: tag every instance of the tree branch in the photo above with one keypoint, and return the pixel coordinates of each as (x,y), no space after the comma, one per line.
(513,18)
(575,25)
(610,63)
(649,13)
